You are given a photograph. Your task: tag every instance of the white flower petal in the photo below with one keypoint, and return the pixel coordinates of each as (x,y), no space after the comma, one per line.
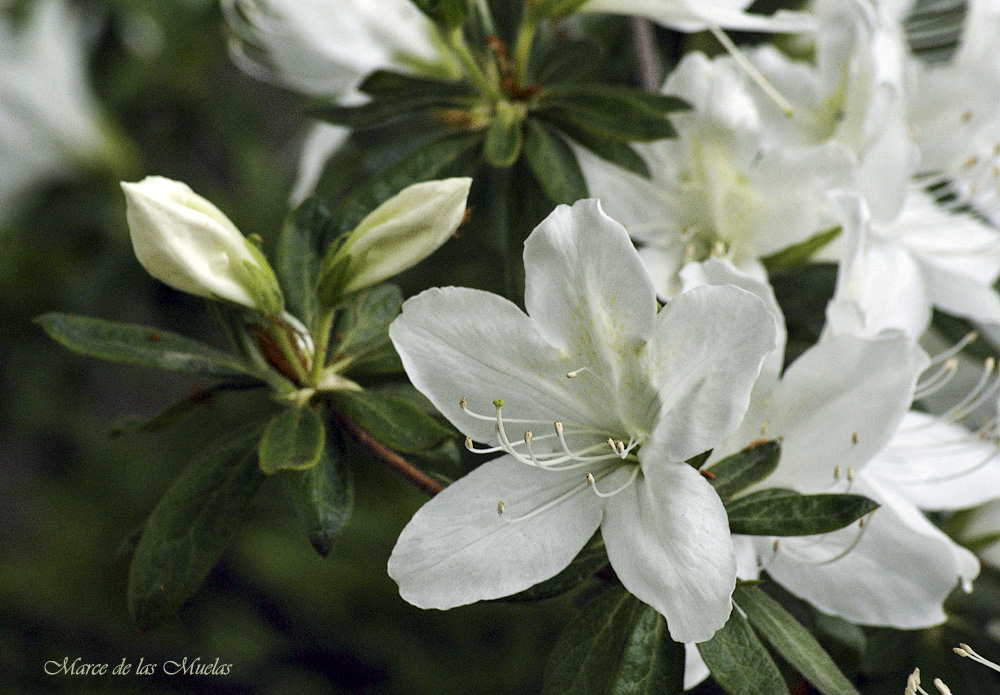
(704,358)
(898,575)
(457,342)
(668,540)
(457,549)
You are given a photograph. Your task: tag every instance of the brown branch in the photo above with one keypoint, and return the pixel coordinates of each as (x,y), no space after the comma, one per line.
(400,465)
(644,38)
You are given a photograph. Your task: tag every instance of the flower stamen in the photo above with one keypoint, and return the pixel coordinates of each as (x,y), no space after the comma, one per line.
(592,482)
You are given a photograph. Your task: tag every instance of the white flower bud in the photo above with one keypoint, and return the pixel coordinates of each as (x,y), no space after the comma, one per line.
(186,242)
(398,234)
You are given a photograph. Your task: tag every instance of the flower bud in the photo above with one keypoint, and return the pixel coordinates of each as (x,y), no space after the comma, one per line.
(398,234)
(186,242)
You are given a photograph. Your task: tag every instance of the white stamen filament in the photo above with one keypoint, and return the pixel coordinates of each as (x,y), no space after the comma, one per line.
(779,547)
(965,650)
(538,510)
(592,482)
(751,70)
(941,378)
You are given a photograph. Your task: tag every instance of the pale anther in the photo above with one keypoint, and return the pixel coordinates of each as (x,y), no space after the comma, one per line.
(854,438)
(500,507)
(942,688)
(763,428)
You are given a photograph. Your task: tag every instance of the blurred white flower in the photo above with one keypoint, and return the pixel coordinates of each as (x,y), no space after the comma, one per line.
(186,242)
(698,15)
(855,94)
(834,409)
(717,189)
(50,120)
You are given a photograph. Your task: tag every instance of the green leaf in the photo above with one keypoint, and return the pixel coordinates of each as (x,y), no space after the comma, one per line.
(191,526)
(383,109)
(554,165)
(803,294)
(294,440)
(324,495)
(300,255)
(614,151)
(504,137)
(449,14)
(615,645)
(202,398)
(792,641)
(566,60)
(423,164)
(589,560)
(614,96)
(392,420)
(612,111)
(383,83)
(140,345)
(799,254)
(363,332)
(793,514)
(744,468)
(738,661)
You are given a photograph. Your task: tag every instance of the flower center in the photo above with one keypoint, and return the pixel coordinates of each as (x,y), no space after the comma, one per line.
(552,452)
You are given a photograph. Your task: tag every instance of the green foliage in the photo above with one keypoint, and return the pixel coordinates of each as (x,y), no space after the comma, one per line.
(198,400)
(504,136)
(141,345)
(324,494)
(449,14)
(775,512)
(745,468)
(616,645)
(299,257)
(799,254)
(792,641)
(190,527)
(739,662)
(362,332)
(293,441)
(612,112)
(392,420)
(554,165)
(803,294)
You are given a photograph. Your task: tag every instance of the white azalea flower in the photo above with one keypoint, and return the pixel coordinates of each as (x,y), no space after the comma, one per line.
(698,15)
(49,117)
(186,242)
(716,190)
(954,117)
(834,409)
(854,94)
(597,400)
(896,272)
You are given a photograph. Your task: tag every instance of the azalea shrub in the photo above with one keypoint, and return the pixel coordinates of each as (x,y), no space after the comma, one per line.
(683,313)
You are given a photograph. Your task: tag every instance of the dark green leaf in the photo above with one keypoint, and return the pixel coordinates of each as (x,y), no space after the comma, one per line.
(588,561)
(554,9)
(324,494)
(362,332)
(614,151)
(567,60)
(294,440)
(191,526)
(744,468)
(504,137)
(803,294)
(176,412)
(447,13)
(739,662)
(613,96)
(636,124)
(698,460)
(616,645)
(799,254)
(392,105)
(140,345)
(795,515)
(299,257)
(383,83)
(392,420)
(423,164)
(792,641)
(554,164)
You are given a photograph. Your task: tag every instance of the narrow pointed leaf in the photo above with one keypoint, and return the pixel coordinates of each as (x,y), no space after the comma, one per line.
(615,645)
(363,332)
(294,440)
(382,83)
(567,60)
(299,257)
(793,514)
(744,468)
(324,495)
(792,641)
(140,345)
(504,137)
(801,253)
(173,414)
(392,420)
(554,164)
(620,153)
(190,527)
(739,662)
